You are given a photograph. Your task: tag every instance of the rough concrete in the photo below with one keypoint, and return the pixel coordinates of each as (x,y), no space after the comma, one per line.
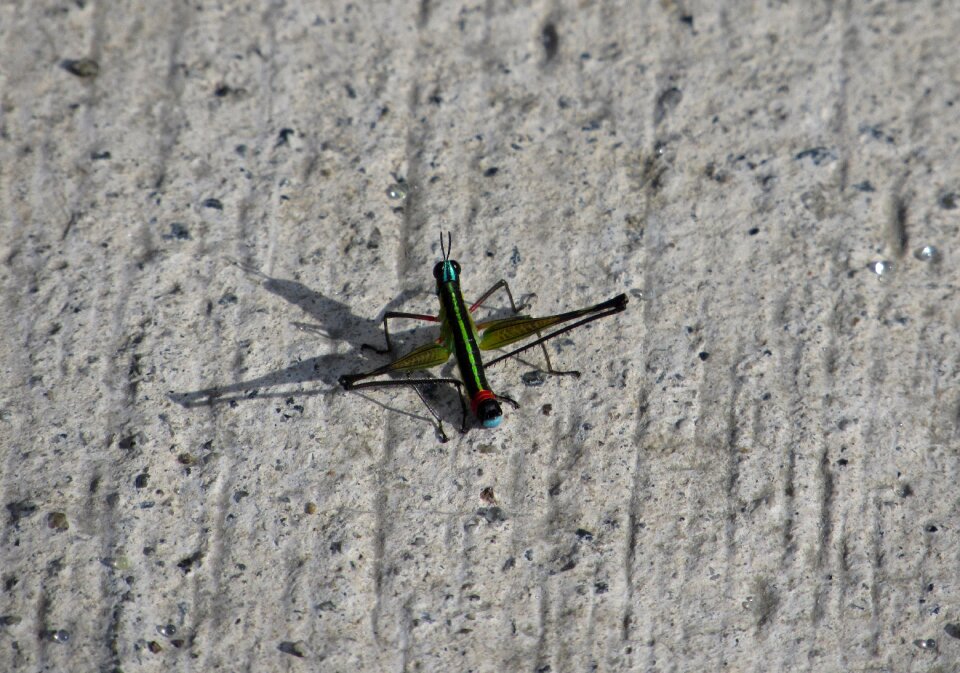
(757,471)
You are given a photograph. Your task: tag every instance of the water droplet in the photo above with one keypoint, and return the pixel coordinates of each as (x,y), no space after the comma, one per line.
(397,192)
(534,379)
(60,636)
(928,644)
(116,562)
(927,253)
(167,630)
(883,268)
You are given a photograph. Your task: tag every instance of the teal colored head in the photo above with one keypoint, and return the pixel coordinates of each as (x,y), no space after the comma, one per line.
(448,270)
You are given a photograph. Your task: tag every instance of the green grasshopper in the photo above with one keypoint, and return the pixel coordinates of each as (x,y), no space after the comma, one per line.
(462,337)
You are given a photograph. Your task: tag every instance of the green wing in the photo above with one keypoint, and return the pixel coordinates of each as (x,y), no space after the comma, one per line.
(500,333)
(428,355)
(424,357)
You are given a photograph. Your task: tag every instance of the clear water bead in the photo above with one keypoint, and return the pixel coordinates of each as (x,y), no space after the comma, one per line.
(397,192)
(882,268)
(927,253)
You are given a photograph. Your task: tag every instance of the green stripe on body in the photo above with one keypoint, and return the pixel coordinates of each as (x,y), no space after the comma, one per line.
(462,335)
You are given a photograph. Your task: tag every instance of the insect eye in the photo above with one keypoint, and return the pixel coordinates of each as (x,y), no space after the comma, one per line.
(438,270)
(456,266)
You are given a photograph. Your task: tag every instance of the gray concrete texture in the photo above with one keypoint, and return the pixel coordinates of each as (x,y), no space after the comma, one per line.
(206,208)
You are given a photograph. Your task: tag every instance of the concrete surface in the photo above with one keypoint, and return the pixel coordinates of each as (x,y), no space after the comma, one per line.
(758,470)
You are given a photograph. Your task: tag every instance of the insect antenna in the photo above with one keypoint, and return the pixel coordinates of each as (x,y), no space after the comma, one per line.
(446,251)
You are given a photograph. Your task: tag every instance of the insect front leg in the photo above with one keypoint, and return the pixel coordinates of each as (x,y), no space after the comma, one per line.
(496,286)
(386,330)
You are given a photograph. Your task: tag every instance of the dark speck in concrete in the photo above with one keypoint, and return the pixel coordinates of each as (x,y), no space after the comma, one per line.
(667,101)
(186,564)
(492,514)
(550,41)
(818,155)
(178,231)
(20,510)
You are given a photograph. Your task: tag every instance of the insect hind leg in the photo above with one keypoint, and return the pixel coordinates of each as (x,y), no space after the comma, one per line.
(355,382)
(502,283)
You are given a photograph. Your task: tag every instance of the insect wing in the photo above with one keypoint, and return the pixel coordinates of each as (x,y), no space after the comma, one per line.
(424,357)
(500,333)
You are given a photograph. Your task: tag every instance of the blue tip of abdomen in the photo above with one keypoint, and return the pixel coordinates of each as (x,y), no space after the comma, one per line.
(492,422)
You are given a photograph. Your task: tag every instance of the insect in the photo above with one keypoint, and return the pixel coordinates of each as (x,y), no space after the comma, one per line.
(461,337)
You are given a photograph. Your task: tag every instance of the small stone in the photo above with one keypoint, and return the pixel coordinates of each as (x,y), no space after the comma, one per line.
(297,649)
(58,521)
